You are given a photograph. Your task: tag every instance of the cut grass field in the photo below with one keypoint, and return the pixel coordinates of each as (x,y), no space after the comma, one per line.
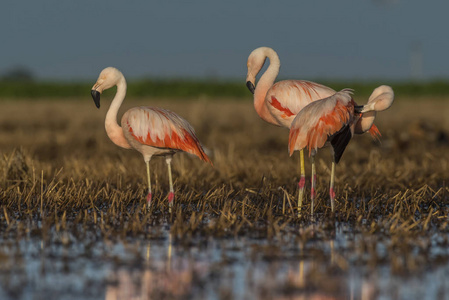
(59,173)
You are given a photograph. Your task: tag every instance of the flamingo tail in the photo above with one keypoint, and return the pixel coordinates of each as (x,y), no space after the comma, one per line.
(375,133)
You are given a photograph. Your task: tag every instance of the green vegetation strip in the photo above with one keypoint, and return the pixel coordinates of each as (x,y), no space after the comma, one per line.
(197,88)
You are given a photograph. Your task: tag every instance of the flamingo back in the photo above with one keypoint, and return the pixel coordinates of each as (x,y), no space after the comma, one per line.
(320,120)
(286,98)
(161,128)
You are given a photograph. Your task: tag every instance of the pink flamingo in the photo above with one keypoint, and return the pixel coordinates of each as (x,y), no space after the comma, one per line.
(151,131)
(334,120)
(279,103)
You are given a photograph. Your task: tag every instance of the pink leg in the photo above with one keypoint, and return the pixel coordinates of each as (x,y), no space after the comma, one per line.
(149,196)
(313,192)
(302,181)
(331,188)
(312,188)
(171,194)
(301,185)
(171,197)
(332,197)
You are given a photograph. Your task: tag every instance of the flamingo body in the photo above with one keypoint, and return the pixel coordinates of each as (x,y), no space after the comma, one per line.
(331,119)
(320,121)
(157,131)
(285,99)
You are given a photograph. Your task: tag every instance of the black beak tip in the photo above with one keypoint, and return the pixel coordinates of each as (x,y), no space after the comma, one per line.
(358,108)
(250,86)
(96,96)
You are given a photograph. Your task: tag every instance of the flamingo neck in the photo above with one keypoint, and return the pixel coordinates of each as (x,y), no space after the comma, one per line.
(113,129)
(265,83)
(365,122)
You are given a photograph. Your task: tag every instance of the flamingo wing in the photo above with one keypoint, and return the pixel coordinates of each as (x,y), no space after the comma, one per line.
(162,128)
(288,97)
(324,119)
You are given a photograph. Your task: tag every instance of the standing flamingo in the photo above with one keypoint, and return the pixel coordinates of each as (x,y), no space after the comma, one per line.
(334,120)
(149,130)
(279,103)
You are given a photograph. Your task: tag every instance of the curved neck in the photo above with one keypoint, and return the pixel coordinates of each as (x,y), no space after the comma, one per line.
(265,82)
(113,129)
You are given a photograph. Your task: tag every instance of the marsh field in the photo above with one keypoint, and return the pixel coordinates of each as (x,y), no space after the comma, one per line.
(73,221)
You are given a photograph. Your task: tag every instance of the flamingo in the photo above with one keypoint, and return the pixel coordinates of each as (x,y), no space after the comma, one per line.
(278,103)
(334,120)
(151,131)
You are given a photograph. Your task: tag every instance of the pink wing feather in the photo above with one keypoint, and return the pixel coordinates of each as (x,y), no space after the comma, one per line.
(319,120)
(288,97)
(162,128)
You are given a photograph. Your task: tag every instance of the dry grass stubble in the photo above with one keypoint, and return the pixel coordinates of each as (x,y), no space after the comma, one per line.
(61,172)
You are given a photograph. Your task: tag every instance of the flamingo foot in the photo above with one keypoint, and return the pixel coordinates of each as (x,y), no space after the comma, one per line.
(171,197)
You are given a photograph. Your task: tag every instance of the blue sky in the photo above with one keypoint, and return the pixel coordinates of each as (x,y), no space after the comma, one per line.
(65,39)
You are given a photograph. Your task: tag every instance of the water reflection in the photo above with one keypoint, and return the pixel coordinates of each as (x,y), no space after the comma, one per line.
(150,285)
(228,272)
(237,268)
(157,279)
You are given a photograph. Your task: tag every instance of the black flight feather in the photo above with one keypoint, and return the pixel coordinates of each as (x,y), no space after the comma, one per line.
(339,141)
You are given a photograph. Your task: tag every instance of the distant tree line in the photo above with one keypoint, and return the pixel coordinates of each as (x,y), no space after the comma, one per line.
(17,73)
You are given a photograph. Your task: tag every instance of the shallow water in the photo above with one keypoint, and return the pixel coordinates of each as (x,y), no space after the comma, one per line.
(332,265)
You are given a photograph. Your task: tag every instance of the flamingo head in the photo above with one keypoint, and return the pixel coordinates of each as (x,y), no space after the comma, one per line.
(381,99)
(108,78)
(255,62)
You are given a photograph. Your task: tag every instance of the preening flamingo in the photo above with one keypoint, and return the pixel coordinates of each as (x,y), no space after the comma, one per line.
(151,131)
(278,103)
(334,120)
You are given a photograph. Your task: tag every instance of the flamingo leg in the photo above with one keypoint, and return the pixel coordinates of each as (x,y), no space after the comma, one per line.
(331,189)
(171,194)
(149,196)
(312,188)
(301,182)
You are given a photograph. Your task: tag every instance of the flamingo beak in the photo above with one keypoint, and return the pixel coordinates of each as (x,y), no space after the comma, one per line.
(96,96)
(358,108)
(250,86)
